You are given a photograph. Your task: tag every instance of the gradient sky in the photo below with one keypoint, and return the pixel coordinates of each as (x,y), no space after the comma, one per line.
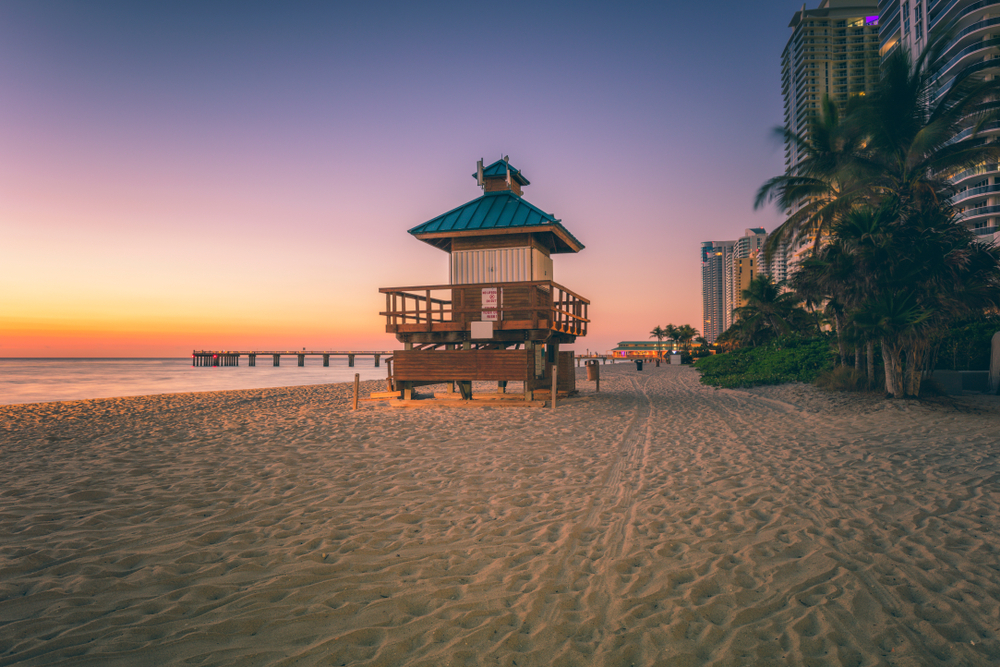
(183,175)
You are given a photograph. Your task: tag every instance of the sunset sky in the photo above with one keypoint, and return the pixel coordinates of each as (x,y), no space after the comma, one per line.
(183,175)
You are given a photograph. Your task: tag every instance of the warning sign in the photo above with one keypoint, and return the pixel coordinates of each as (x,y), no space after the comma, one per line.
(491,303)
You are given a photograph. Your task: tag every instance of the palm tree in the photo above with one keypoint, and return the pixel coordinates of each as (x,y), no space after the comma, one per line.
(913,130)
(685,334)
(823,179)
(898,142)
(659,334)
(671,332)
(767,308)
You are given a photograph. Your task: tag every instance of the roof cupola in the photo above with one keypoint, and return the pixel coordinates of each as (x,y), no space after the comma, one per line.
(500,177)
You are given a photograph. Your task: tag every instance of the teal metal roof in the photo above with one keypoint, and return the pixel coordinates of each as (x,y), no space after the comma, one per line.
(495,210)
(499,168)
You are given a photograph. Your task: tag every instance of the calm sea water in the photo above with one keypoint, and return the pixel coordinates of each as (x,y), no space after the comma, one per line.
(40,380)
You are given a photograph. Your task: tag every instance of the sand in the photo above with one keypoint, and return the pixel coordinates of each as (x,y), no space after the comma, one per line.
(657,523)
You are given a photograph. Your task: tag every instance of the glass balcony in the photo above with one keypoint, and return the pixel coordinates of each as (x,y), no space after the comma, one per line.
(975,192)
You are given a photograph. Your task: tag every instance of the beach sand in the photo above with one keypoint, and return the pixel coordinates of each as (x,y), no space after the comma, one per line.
(660,522)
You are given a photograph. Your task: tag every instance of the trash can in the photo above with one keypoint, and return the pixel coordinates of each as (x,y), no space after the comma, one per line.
(593,370)
(638,364)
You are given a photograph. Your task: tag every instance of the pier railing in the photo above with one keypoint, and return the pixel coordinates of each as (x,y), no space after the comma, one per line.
(539,304)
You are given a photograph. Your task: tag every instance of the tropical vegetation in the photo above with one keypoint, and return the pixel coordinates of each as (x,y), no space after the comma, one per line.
(788,359)
(891,265)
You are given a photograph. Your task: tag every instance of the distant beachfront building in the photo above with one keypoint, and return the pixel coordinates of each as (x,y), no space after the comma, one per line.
(727,267)
(833,50)
(641,349)
(975,45)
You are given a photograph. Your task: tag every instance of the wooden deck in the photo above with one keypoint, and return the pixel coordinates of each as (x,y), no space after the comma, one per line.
(452,308)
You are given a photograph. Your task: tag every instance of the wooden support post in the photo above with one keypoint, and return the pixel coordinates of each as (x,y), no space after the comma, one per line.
(302,359)
(252,360)
(277,359)
(407,391)
(501,386)
(357,379)
(465,387)
(388,378)
(377,358)
(428,311)
(555,384)
(350,361)
(326,360)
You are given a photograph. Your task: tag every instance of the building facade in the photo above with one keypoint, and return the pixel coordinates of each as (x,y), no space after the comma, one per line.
(974,29)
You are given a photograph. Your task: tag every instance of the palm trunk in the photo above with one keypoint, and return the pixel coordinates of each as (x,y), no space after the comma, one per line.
(893,369)
(838,318)
(870,345)
(916,357)
(857,361)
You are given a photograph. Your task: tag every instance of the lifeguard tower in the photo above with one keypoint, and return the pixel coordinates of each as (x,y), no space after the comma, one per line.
(501,317)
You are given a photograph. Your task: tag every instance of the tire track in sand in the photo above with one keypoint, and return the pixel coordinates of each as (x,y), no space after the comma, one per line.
(587,582)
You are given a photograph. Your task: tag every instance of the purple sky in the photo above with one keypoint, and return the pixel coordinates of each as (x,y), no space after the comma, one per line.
(208,174)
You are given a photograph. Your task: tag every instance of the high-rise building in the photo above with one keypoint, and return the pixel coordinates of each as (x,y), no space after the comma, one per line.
(974,29)
(834,51)
(714,257)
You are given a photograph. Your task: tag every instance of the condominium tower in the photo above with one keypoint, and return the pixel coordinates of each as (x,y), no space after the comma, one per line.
(974,44)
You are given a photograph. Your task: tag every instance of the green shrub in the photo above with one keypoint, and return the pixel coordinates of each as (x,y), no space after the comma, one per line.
(782,360)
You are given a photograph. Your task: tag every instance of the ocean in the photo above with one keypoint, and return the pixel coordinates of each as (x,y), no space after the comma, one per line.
(42,380)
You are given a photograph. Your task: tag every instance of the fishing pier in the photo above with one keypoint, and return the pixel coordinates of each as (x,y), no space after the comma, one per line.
(217,358)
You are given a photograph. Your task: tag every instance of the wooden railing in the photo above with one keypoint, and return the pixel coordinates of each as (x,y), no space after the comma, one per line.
(540,304)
